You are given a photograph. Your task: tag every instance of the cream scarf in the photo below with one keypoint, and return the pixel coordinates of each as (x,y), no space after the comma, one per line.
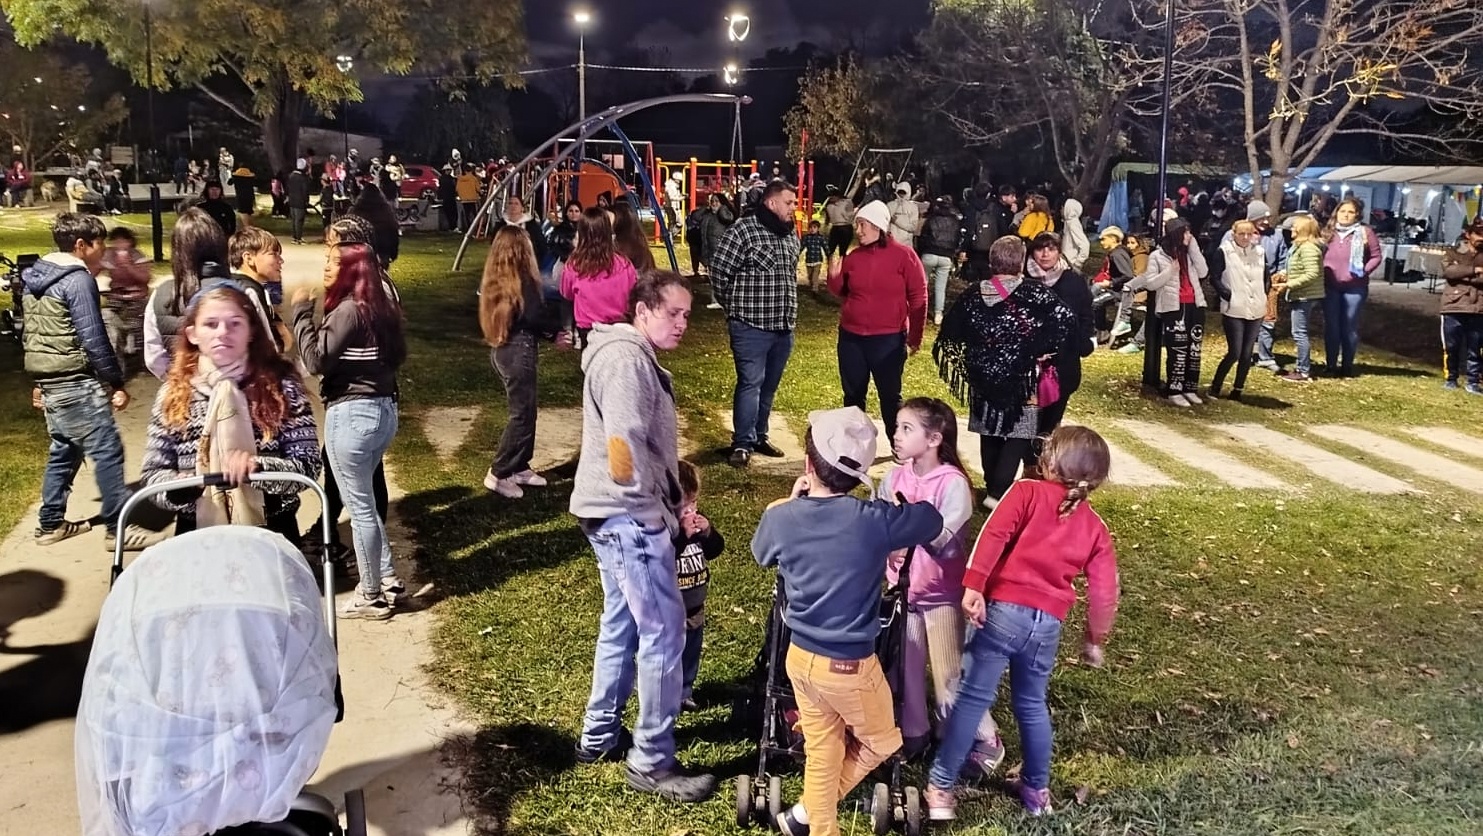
(228,427)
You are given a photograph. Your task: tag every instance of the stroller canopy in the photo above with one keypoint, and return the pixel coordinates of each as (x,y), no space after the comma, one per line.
(210,692)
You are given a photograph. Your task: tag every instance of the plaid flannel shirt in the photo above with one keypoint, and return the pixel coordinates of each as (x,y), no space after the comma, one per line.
(754,275)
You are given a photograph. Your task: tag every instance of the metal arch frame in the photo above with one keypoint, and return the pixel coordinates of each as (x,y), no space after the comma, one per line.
(584,130)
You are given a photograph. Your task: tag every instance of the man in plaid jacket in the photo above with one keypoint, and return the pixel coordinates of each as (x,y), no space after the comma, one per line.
(754,276)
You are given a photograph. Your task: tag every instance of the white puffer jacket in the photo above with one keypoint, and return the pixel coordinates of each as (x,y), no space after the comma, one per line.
(1161,277)
(1245,275)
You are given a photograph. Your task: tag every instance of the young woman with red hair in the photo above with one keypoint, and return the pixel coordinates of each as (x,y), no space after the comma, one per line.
(357,350)
(230,404)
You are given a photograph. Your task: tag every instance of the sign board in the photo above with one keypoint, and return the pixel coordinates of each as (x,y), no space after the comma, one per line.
(121,154)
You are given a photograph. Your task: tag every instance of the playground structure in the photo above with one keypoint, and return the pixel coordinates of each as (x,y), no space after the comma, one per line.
(879,161)
(555,157)
(705,178)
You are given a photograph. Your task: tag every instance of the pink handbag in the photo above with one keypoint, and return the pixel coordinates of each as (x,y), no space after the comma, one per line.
(1048,387)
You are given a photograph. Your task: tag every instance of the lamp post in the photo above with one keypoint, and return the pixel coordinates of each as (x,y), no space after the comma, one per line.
(344,63)
(582,18)
(1152,339)
(156,221)
(738,27)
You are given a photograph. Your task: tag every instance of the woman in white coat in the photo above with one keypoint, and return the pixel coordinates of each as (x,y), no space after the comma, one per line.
(1238,269)
(1173,275)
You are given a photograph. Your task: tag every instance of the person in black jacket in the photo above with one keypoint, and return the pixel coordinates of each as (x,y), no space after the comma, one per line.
(297,191)
(941,232)
(563,236)
(513,315)
(216,206)
(371,205)
(447,199)
(1046,265)
(1109,282)
(515,215)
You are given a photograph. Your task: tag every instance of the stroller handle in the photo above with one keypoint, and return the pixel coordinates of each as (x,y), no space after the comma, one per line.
(219,480)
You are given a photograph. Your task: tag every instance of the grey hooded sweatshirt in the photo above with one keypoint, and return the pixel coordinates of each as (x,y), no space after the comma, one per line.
(630,438)
(1074,244)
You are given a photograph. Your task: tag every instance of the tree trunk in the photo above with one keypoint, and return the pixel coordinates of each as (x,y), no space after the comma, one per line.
(281,129)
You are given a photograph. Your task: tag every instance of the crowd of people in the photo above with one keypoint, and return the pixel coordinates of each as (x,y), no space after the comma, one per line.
(1009,347)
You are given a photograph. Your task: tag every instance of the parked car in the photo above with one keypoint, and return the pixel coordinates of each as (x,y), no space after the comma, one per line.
(419,181)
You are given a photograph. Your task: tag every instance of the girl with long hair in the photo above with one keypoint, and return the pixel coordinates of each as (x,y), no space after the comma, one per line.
(371,204)
(1238,268)
(198,260)
(597,278)
(930,470)
(230,404)
(1017,591)
(357,350)
(1353,254)
(1037,218)
(628,237)
(512,315)
(1173,274)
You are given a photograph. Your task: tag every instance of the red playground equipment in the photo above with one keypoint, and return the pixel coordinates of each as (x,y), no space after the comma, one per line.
(703,178)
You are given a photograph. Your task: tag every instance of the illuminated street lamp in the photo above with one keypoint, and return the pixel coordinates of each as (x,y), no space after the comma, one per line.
(738,27)
(344,63)
(581,17)
(732,74)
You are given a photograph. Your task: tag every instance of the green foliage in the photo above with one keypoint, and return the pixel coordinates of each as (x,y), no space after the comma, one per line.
(839,109)
(263,58)
(60,112)
(477,122)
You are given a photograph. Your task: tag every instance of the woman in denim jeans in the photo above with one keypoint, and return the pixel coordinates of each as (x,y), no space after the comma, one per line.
(357,350)
(512,315)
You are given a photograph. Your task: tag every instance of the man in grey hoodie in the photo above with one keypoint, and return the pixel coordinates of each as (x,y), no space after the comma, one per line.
(626,497)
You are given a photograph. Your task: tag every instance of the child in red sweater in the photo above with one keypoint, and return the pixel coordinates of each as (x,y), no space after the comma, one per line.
(1017,591)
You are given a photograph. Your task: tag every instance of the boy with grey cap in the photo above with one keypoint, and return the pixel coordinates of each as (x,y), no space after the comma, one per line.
(830,549)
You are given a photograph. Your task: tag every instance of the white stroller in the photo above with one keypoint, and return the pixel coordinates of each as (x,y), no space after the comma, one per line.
(211,689)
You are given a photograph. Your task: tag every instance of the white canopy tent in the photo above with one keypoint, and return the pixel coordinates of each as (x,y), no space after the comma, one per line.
(1447,195)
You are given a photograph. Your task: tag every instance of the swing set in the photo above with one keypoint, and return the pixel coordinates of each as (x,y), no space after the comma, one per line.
(557,169)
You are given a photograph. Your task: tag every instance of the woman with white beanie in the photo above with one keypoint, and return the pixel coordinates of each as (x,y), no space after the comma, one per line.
(883,291)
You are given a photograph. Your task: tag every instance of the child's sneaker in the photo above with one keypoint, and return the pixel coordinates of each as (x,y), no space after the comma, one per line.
(942,805)
(372,609)
(985,758)
(789,825)
(67,530)
(1037,802)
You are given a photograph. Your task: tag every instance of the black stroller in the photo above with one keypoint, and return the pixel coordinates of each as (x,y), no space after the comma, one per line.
(893,803)
(212,687)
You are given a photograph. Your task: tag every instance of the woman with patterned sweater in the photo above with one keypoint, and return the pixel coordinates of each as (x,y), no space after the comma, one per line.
(230,404)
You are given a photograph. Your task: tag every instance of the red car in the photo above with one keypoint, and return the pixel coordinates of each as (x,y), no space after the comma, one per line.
(419,181)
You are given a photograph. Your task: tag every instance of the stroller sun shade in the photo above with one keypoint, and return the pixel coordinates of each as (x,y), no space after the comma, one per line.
(210,692)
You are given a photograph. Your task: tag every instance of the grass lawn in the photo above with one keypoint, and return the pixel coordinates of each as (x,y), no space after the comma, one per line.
(1301,662)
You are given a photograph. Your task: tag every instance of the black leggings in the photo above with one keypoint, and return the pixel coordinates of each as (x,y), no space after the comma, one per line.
(840,236)
(1049,418)
(1241,337)
(1001,460)
(282,522)
(336,505)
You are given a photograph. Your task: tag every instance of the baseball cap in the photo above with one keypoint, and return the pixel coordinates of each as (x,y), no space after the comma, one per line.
(846,439)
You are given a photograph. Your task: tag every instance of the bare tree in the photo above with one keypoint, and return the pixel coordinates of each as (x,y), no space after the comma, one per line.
(1306,72)
(49,105)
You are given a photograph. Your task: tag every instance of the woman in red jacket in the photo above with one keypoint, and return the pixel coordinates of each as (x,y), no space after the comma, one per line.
(883,289)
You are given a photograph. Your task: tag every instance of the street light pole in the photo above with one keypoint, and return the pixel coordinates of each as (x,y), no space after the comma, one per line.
(345,63)
(1153,337)
(156,220)
(582,19)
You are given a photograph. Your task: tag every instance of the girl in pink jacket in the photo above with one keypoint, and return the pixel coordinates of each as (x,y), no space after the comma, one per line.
(596,278)
(926,445)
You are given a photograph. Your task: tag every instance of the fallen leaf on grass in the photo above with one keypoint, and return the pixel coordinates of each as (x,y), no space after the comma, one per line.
(1082,794)
(1292,741)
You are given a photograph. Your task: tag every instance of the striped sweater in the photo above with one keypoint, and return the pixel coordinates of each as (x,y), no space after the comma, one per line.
(170,452)
(343,351)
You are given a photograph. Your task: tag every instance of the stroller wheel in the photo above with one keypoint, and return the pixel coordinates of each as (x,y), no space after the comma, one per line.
(774,799)
(355,813)
(743,801)
(913,805)
(881,815)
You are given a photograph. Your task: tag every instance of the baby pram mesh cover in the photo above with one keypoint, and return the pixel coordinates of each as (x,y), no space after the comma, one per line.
(210,692)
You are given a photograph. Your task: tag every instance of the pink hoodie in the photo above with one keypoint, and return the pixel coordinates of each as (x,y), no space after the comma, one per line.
(937,568)
(601,299)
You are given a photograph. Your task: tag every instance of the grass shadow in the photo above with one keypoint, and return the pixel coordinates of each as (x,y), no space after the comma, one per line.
(501,763)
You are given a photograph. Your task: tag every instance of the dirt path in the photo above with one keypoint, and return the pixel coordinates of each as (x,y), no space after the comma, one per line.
(395,725)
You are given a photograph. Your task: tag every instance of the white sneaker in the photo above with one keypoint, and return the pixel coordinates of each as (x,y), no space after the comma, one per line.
(503,487)
(1193,398)
(529,477)
(937,319)
(991,503)
(1180,400)
(1121,327)
(714,306)
(392,586)
(359,606)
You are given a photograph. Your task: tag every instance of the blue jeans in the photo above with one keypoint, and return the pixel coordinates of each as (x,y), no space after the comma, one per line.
(79,420)
(1341,326)
(639,641)
(357,434)
(1301,311)
(939,267)
(760,358)
(690,660)
(1024,640)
